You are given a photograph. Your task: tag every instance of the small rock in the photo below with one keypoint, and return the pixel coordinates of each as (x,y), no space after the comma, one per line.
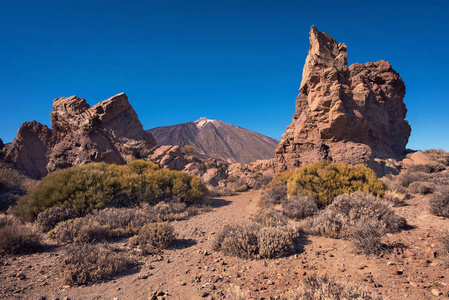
(361,266)
(182,283)
(394,270)
(436,292)
(269,282)
(413,284)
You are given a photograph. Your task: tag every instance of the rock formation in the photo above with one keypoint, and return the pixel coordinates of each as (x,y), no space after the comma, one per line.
(30,148)
(108,132)
(218,140)
(349,114)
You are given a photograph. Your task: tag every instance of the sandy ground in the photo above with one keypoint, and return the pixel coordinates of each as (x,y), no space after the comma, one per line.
(411,268)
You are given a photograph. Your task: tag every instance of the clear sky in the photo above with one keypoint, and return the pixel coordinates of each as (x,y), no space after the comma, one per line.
(238,61)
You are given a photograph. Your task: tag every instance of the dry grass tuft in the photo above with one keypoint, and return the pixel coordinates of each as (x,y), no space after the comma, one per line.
(83,264)
(394,197)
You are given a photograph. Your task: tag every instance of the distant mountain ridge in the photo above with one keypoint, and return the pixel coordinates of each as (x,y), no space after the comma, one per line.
(217,139)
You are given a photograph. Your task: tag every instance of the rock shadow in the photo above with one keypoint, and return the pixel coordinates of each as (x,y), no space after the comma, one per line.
(183,243)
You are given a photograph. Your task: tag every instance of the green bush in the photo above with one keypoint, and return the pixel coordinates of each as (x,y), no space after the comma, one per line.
(97,186)
(324,181)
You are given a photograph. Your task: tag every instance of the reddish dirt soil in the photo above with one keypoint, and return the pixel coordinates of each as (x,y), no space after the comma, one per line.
(411,267)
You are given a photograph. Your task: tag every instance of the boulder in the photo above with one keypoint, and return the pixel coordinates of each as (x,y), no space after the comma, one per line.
(344,114)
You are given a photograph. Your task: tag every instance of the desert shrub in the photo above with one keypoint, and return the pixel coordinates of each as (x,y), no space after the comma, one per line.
(422,188)
(338,219)
(439,203)
(253,241)
(188,150)
(280,178)
(274,242)
(270,218)
(81,230)
(96,186)
(240,241)
(153,237)
(324,287)
(273,195)
(406,178)
(260,180)
(16,238)
(10,198)
(324,181)
(366,234)
(438,155)
(83,264)
(432,167)
(50,217)
(111,223)
(394,197)
(299,207)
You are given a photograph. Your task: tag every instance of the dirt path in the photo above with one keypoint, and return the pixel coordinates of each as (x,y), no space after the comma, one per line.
(411,269)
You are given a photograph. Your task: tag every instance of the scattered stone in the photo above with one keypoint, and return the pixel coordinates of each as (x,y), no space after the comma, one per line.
(436,292)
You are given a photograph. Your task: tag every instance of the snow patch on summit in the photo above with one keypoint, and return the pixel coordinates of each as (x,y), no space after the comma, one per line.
(202,121)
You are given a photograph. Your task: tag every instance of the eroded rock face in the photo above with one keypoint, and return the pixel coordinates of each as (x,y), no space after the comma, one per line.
(30,148)
(108,132)
(350,114)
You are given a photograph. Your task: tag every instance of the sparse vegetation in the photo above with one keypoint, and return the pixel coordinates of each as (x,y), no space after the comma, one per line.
(188,150)
(253,241)
(324,181)
(97,186)
(154,237)
(117,222)
(16,238)
(439,203)
(344,218)
(324,287)
(275,194)
(394,197)
(83,264)
(422,188)
(50,217)
(270,218)
(438,155)
(299,207)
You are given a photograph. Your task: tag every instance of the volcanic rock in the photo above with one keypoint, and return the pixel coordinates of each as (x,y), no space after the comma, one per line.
(30,148)
(346,114)
(110,132)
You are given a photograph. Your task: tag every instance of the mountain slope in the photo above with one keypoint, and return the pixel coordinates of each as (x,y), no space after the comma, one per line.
(217,139)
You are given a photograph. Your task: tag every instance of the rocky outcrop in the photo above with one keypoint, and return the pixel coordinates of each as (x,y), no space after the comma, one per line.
(349,114)
(110,132)
(30,149)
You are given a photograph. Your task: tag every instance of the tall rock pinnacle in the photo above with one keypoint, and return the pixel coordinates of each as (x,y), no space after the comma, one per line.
(349,114)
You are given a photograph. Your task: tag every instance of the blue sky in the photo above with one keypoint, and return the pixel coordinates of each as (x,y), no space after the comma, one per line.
(233,60)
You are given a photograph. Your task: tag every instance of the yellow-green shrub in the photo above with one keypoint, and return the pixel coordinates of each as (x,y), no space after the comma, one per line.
(324,181)
(97,186)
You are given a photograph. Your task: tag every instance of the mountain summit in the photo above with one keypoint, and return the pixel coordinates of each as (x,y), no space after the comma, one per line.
(217,139)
